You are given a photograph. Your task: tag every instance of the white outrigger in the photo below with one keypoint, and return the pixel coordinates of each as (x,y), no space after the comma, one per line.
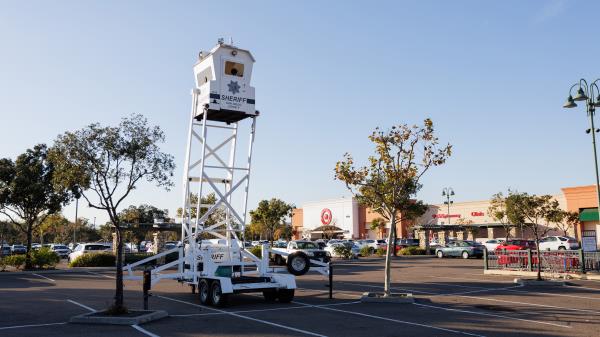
(212,257)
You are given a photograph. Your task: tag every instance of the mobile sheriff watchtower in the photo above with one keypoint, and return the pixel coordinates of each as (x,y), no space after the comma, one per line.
(216,179)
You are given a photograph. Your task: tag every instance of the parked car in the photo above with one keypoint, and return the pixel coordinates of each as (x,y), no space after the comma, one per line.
(87,248)
(62,250)
(36,246)
(558,243)
(5,250)
(407,242)
(516,244)
(300,252)
(492,244)
(458,248)
(332,246)
(18,249)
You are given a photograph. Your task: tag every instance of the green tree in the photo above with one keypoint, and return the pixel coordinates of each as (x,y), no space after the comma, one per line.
(378,224)
(107,163)
(55,228)
(27,194)
(142,214)
(565,220)
(284,232)
(391,180)
(271,215)
(498,212)
(533,212)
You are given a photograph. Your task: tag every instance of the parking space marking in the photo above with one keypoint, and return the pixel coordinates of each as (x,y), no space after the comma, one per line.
(144,331)
(481,290)
(554,294)
(491,315)
(531,304)
(30,325)
(42,276)
(469,279)
(586,288)
(107,276)
(393,320)
(82,305)
(244,317)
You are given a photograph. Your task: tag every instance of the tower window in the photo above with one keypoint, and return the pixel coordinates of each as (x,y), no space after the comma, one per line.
(234,69)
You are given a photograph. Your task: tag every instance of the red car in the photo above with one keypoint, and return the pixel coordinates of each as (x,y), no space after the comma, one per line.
(516,244)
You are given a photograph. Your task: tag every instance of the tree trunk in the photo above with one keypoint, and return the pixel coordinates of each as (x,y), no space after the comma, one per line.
(539,258)
(394,235)
(388,257)
(28,254)
(119,279)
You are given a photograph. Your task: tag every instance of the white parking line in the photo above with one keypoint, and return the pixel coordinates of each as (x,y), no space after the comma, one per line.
(42,276)
(107,276)
(30,325)
(144,331)
(394,320)
(82,305)
(395,288)
(531,304)
(491,315)
(481,290)
(586,288)
(244,317)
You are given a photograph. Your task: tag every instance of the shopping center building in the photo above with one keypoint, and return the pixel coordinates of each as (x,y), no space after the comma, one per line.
(346,218)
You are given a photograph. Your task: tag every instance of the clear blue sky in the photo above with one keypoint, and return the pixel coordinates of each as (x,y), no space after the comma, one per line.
(492,75)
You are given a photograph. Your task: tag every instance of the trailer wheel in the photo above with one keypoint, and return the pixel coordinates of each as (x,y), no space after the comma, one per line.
(298,263)
(270,295)
(285,295)
(204,292)
(218,298)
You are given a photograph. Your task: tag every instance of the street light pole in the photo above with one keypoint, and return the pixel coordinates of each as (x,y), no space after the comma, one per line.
(448,192)
(585,93)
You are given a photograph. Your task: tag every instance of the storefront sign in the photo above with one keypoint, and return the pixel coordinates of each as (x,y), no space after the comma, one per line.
(326,216)
(444,216)
(589,244)
(476,213)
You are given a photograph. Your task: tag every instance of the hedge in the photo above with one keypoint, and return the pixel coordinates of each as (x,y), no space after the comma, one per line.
(17,261)
(412,251)
(44,258)
(94,260)
(366,251)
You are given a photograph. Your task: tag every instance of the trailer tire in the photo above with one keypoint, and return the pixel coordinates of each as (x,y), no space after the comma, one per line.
(204,292)
(285,295)
(298,263)
(270,295)
(217,297)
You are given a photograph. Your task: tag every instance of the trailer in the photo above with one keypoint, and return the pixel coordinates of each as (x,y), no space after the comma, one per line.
(212,257)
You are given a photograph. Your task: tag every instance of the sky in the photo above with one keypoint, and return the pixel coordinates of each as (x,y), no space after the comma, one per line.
(492,76)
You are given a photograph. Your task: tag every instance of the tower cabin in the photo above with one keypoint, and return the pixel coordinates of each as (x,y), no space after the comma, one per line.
(222,78)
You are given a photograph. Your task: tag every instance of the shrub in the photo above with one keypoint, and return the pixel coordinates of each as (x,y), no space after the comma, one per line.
(2,264)
(44,258)
(380,252)
(257,251)
(366,251)
(135,257)
(94,260)
(16,261)
(343,251)
(412,251)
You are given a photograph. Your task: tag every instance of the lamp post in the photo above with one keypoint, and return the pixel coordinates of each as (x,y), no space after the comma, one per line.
(448,192)
(585,92)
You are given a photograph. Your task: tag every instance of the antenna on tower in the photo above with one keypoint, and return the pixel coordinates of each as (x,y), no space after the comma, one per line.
(231,41)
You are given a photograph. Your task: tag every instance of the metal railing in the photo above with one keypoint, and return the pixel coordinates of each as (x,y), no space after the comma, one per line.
(561,261)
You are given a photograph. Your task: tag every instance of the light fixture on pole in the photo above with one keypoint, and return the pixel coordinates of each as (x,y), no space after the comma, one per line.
(448,193)
(585,93)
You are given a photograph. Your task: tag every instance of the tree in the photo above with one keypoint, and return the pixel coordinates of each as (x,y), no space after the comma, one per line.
(391,180)
(283,233)
(498,211)
(210,199)
(565,220)
(271,215)
(378,224)
(530,211)
(136,215)
(107,163)
(27,193)
(55,228)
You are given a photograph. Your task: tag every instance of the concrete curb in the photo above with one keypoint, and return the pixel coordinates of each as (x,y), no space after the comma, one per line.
(397,298)
(534,274)
(535,282)
(90,318)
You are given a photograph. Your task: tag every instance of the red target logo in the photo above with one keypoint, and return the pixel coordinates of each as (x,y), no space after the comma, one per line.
(326,216)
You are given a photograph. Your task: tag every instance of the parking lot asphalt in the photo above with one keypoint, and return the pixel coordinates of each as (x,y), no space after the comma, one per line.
(453,298)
